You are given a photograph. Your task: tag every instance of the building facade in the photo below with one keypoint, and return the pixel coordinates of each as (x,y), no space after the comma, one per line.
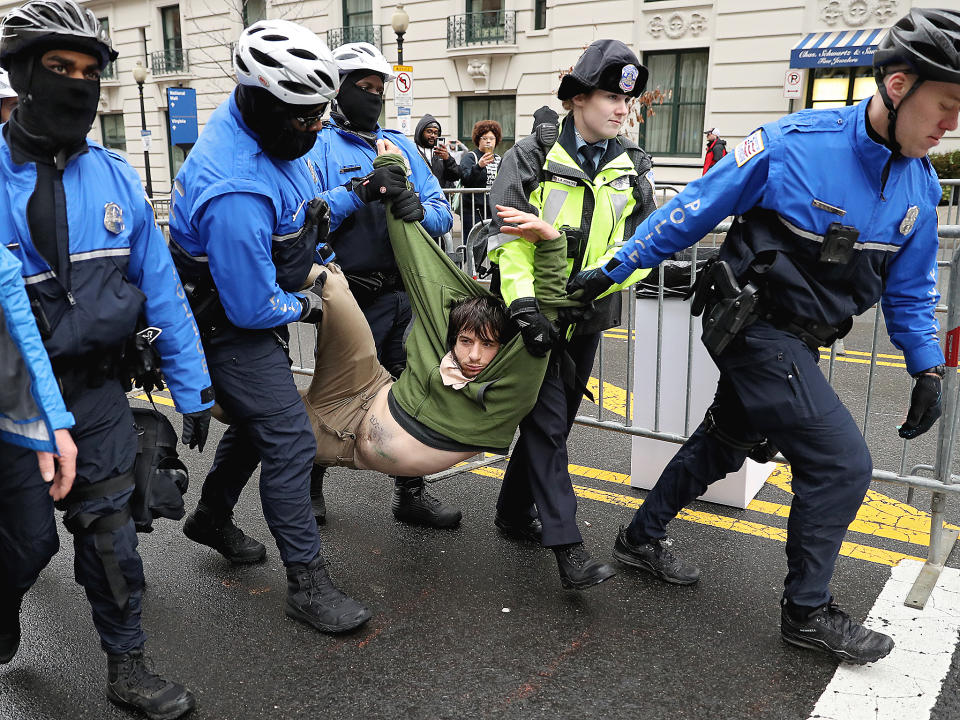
(732,65)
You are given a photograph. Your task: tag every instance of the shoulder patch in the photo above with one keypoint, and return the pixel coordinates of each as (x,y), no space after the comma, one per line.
(751,146)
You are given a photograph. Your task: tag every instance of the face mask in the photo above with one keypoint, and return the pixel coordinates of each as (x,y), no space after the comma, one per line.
(361,108)
(59,108)
(269,118)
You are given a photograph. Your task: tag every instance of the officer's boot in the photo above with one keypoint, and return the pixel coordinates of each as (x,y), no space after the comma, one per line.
(9,626)
(577,569)
(218,531)
(312,598)
(317,502)
(131,684)
(414,504)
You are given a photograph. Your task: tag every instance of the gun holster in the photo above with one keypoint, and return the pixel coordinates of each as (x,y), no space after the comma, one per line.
(207,309)
(729,308)
(141,360)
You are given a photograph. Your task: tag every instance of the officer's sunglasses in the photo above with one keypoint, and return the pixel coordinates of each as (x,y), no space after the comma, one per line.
(308,120)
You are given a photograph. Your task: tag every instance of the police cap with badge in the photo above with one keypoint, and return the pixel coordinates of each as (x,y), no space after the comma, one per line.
(605,65)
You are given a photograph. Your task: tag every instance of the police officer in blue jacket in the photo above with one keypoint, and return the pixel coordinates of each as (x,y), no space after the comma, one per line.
(244,227)
(835,209)
(344,156)
(93,261)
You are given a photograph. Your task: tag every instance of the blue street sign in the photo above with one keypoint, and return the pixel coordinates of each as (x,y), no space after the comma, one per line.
(182,107)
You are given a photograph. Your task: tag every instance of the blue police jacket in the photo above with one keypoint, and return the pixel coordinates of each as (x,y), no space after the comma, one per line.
(118,266)
(786,184)
(31,407)
(231,204)
(358,232)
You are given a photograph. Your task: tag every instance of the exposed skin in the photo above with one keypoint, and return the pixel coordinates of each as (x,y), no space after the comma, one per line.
(711,137)
(312,114)
(599,115)
(488,141)
(371,83)
(61,477)
(923,119)
(72,64)
(430,136)
(6,107)
(526,225)
(473,353)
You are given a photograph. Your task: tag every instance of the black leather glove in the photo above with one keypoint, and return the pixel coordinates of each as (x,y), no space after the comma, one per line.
(195,428)
(925,403)
(318,219)
(407,207)
(384,183)
(539,334)
(312,300)
(590,283)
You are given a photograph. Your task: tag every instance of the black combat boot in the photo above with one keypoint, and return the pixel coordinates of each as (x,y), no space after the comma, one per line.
(577,569)
(317,502)
(828,629)
(528,529)
(9,627)
(312,598)
(656,558)
(414,504)
(204,527)
(131,684)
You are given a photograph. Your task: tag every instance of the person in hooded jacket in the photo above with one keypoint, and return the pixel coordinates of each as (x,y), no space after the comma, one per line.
(437,157)
(244,231)
(716,149)
(93,261)
(344,153)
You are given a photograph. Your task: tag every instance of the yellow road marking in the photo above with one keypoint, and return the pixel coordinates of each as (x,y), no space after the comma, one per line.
(157,398)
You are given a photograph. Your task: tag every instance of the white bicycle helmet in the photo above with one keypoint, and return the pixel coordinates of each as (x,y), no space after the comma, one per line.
(288,61)
(362,56)
(5,90)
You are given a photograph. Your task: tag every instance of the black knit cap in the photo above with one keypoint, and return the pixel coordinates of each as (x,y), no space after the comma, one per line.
(605,65)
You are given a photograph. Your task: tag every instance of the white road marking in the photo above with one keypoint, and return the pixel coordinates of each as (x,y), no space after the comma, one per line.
(906,683)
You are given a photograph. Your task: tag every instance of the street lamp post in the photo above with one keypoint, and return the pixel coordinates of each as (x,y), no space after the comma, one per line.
(400,22)
(140,77)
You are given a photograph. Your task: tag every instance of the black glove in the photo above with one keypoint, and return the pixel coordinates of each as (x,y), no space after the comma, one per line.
(591,283)
(312,300)
(384,183)
(195,428)
(407,207)
(539,334)
(574,315)
(925,405)
(317,219)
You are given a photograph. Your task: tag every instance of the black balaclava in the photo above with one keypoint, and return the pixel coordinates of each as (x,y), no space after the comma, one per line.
(269,118)
(53,107)
(360,108)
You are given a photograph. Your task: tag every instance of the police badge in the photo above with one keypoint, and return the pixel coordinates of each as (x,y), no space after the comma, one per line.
(113,218)
(628,77)
(909,219)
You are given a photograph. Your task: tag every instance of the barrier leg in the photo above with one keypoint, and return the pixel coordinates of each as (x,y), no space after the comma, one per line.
(941,544)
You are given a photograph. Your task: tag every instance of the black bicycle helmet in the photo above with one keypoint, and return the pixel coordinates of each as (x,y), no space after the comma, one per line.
(926,39)
(42,20)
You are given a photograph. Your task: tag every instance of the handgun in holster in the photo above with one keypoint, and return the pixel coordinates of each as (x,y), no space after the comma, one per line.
(729,308)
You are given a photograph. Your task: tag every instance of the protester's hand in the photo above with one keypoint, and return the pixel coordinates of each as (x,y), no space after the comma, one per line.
(385,147)
(384,183)
(312,300)
(441,152)
(195,428)
(526,225)
(925,404)
(591,284)
(407,207)
(485,160)
(539,335)
(61,478)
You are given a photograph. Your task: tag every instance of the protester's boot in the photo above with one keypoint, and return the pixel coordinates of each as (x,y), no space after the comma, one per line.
(828,629)
(131,684)
(414,504)
(312,598)
(577,569)
(655,557)
(219,532)
(9,626)
(317,502)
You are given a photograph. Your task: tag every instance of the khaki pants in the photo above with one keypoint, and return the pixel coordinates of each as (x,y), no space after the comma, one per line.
(347,375)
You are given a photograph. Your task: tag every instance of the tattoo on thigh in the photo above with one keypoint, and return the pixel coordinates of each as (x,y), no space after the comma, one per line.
(379,438)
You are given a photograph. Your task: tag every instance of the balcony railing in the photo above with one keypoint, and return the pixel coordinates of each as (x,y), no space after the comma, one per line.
(168,62)
(356,33)
(494,27)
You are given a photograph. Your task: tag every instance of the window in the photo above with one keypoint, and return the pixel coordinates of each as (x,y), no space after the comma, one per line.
(676,126)
(837,87)
(501,108)
(172,58)
(539,14)
(357,13)
(113,132)
(110,71)
(175,154)
(485,21)
(254,11)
